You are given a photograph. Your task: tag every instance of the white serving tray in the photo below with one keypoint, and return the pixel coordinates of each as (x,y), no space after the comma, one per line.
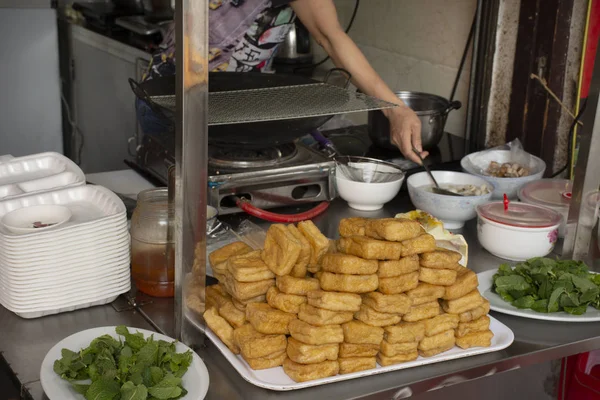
(276,379)
(39,314)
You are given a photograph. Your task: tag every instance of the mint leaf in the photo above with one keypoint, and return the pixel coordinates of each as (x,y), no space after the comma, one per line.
(103,389)
(167,388)
(148,354)
(524,302)
(156,375)
(576,310)
(129,391)
(79,388)
(553,302)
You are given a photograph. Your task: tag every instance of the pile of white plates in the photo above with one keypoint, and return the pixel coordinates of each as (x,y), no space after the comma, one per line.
(79,262)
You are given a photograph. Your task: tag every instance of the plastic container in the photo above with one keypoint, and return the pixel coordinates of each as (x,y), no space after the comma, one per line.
(521,232)
(552,193)
(152,251)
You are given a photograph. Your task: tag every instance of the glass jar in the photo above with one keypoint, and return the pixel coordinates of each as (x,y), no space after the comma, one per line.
(152,250)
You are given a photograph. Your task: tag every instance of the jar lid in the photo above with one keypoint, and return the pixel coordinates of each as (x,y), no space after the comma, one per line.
(522,215)
(554,193)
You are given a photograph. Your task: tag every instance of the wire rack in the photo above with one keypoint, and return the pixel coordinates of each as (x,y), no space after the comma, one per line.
(280,103)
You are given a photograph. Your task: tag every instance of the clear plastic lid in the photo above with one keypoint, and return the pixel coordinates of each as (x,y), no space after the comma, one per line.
(522,215)
(553,193)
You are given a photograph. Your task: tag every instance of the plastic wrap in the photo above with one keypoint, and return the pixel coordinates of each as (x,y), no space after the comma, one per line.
(511,152)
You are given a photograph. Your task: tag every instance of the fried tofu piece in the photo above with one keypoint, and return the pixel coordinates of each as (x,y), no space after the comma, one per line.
(436,344)
(476,312)
(339,263)
(469,301)
(254,344)
(440,258)
(216,296)
(466,281)
(300,268)
(441,323)
(418,245)
(242,304)
(352,227)
(235,317)
(405,265)
(308,372)
(401,358)
(310,334)
(319,317)
(268,320)
(395,349)
(475,339)
(393,229)
(441,277)
(479,325)
(334,301)
(303,353)
(399,284)
(282,250)
(299,286)
(249,267)
(422,311)
(375,318)
(318,242)
(271,361)
(247,290)
(221,328)
(357,332)
(220,256)
(348,350)
(355,364)
(405,332)
(332,247)
(289,303)
(370,249)
(425,293)
(348,283)
(387,303)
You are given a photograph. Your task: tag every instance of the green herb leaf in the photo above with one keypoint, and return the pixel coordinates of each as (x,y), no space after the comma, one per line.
(524,302)
(576,310)
(80,388)
(167,388)
(103,389)
(129,391)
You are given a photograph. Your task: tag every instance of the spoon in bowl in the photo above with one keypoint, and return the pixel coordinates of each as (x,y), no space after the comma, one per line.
(436,189)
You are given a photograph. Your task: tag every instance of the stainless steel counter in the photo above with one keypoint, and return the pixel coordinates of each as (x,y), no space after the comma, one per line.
(25,342)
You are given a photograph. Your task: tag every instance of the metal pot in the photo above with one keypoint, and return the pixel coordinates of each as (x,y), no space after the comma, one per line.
(432,110)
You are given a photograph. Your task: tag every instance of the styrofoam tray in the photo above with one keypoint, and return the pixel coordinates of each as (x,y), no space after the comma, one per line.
(276,379)
(39,314)
(23,176)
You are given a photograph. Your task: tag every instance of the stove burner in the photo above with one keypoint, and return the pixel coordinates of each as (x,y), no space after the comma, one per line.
(235,157)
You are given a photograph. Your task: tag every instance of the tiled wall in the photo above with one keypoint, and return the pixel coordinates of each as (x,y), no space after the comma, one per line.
(414,45)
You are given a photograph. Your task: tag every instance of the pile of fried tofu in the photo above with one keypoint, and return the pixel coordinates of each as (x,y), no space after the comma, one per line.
(384,293)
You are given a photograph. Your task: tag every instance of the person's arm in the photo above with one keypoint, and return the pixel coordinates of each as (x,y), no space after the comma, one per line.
(320,18)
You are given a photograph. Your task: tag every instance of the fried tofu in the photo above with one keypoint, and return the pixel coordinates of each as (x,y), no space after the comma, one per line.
(310,334)
(405,265)
(476,312)
(387,303)
(370,249)
(300,268)
(220,256)
(418,245)
(399,284)
(319,317)
(254,344)
(348,350)
(355,364)
(281,250)
(440,258)
(235,317)
(271,361)
(405,332)
(393,229)
(268,320)
(469,301)
(401,358)
(441,277)
(425,293)
(247,290)
(308,372)
(352,227)
(221,328)
(299,286)
(357,332)
(348,283)
(441,323)
(479,325)
(318,242)
(249,267)
(466,281)
(422,312)
(433,345)
(475,339)
(334,301)
(395,349)
(339,263)
(303,353)
(216,296)
(375,318)
(242,304)
(289,303)
(332,247)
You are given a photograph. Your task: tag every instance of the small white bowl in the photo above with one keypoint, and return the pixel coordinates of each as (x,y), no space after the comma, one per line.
(23,219)
(454,211)
(366,196)
(510,186)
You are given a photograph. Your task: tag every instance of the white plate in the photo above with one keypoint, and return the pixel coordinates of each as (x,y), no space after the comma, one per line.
(497,304)
(276,378)
(195,381)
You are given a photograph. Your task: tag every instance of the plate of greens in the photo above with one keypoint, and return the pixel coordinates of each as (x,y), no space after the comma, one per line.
(120,363)
(544,288)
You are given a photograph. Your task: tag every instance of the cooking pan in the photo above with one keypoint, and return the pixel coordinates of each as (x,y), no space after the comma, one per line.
(254,134)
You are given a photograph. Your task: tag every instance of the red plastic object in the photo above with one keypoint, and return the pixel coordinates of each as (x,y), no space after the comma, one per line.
(505,202)
(281,218)
(580,377)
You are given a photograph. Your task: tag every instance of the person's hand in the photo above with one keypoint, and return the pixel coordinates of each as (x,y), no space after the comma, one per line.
(405,132)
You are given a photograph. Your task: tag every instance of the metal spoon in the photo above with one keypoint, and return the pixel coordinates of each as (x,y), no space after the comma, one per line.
(436,189)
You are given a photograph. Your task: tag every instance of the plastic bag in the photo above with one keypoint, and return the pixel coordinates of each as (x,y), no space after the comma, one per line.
(511,152)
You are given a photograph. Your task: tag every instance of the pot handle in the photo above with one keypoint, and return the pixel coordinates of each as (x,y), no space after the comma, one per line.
(341,70)
(455,105)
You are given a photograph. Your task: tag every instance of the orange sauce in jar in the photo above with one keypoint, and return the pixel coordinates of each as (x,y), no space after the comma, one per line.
(153,269)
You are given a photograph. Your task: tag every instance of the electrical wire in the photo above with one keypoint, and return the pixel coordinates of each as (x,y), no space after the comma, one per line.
(571,140)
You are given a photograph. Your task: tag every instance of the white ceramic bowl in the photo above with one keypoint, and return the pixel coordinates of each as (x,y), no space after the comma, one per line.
(367,196)
(22,220)
(454,211)
(510,186)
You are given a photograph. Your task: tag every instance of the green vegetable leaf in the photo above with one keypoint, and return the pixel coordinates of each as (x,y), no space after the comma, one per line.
(80,388)
(576,310)
(512,282)
(148,354)
(103,389)
(553,302)
(129,391)
(540,306)
(167,388)
(156,375)
(136,340)
(524,302)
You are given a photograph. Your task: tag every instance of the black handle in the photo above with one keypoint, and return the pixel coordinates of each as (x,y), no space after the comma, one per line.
(343,71)
(455,105)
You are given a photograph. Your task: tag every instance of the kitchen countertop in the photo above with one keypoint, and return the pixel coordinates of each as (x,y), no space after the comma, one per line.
(24,343)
